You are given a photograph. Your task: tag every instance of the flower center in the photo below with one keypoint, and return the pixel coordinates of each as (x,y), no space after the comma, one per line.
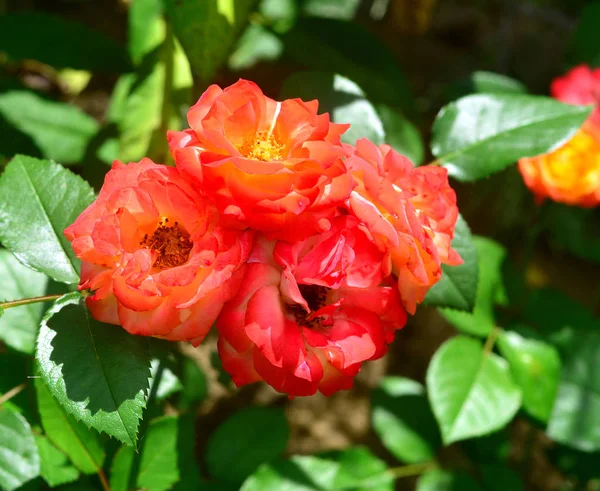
(264,147)
(172,245)
(316,298)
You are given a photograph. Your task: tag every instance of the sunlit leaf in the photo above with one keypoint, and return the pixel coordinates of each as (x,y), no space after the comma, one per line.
(19,457)
(55,466)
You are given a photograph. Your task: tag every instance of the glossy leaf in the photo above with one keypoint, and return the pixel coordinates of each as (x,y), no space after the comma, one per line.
(50,39)
(586,45)
(482,82)
(401,134)
(482,134)
(490,256)
(443,480)
(55,466)
(19,457)
(535,366)
(472,393)
(238,447)
(61,131)
(208,30)
(38,200)
(457,287)
(82,361)
(19,325)
(169,382)
(403,420)
(72,437)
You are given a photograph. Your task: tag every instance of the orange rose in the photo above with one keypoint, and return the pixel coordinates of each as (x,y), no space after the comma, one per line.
(570,174)
(154,254)
(272,166)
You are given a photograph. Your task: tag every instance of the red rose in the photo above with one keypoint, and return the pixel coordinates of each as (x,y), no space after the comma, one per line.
(579,86)
(155,255)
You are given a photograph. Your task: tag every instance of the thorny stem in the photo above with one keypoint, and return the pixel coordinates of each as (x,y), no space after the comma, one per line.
(26,301)
(11,393)
(412,470)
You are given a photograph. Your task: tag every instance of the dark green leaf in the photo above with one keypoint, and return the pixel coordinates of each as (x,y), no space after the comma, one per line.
(458,286)
(482,134)
(239,446)
(14,371)
(19,325)
(342,99)
(535,366)
(490,256)
(19,457)
(208,30)
(442,480)
(38,200)
(195,385)
(497,477)
(83,363)
(80,444)
(481,82)
(471,392)
(55,466)
(586,46)
(59,43)
(401,134)
(61,131)
(403,420)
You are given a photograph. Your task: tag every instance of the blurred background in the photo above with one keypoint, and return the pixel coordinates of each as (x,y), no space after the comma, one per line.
(88,81)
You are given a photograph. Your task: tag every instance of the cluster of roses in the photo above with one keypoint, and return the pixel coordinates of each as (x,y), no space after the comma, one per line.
(571,174)
(305,252)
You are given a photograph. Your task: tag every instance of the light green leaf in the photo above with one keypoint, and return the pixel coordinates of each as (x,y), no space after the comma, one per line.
(208,30)
(83,363)
(481,82)
(60,43)
(19,457)
(169,382)
(403,420)
(482,134)
(535,366)
(61,131)
(458,286)
(331,9)
(238,446)
(471,392)
(38,200)
(586,45)
(401,134)
(443,480)
(19,325)
(158,468)
(80,444)
(480,322)
(55,466)
(257,44)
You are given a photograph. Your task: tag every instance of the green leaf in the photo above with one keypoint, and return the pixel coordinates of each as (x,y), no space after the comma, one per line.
(350,50)
(208,30)
(169,382)
(342,99)
(458,286)
(158,468)
(535,366)
(38,200)
(482,134)
(61,131)
(498,477)
(480,322)
(586,44)
(19,325)
(442,480)
(403,420)
(354,468)
(331,9)
(72,437)
(59,43)
(83,363)
(238,446)
(19,457)
(55,466)
(257,44)
(14,371)
(401,134)
(471,392)
(195,385)
(481,82)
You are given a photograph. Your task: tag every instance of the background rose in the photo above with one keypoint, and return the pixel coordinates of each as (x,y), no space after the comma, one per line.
(154,254)
(579,86)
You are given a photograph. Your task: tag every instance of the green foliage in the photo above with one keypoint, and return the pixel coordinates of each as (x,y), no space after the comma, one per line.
(18,326)
(481,82)
(457,287)
(83,362)
(19,457)
(38,200)
(244,441)
(482,134)
(442,480)
(471,391)
(586,43)
(54,465)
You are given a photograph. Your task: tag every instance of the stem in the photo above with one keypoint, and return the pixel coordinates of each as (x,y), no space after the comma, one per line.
(491,340)
(412,470)
(26,301)
(11,393)
(103,480)
(435,162)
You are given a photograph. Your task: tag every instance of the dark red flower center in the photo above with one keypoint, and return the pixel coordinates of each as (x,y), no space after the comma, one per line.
(316,298)
(171,243)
